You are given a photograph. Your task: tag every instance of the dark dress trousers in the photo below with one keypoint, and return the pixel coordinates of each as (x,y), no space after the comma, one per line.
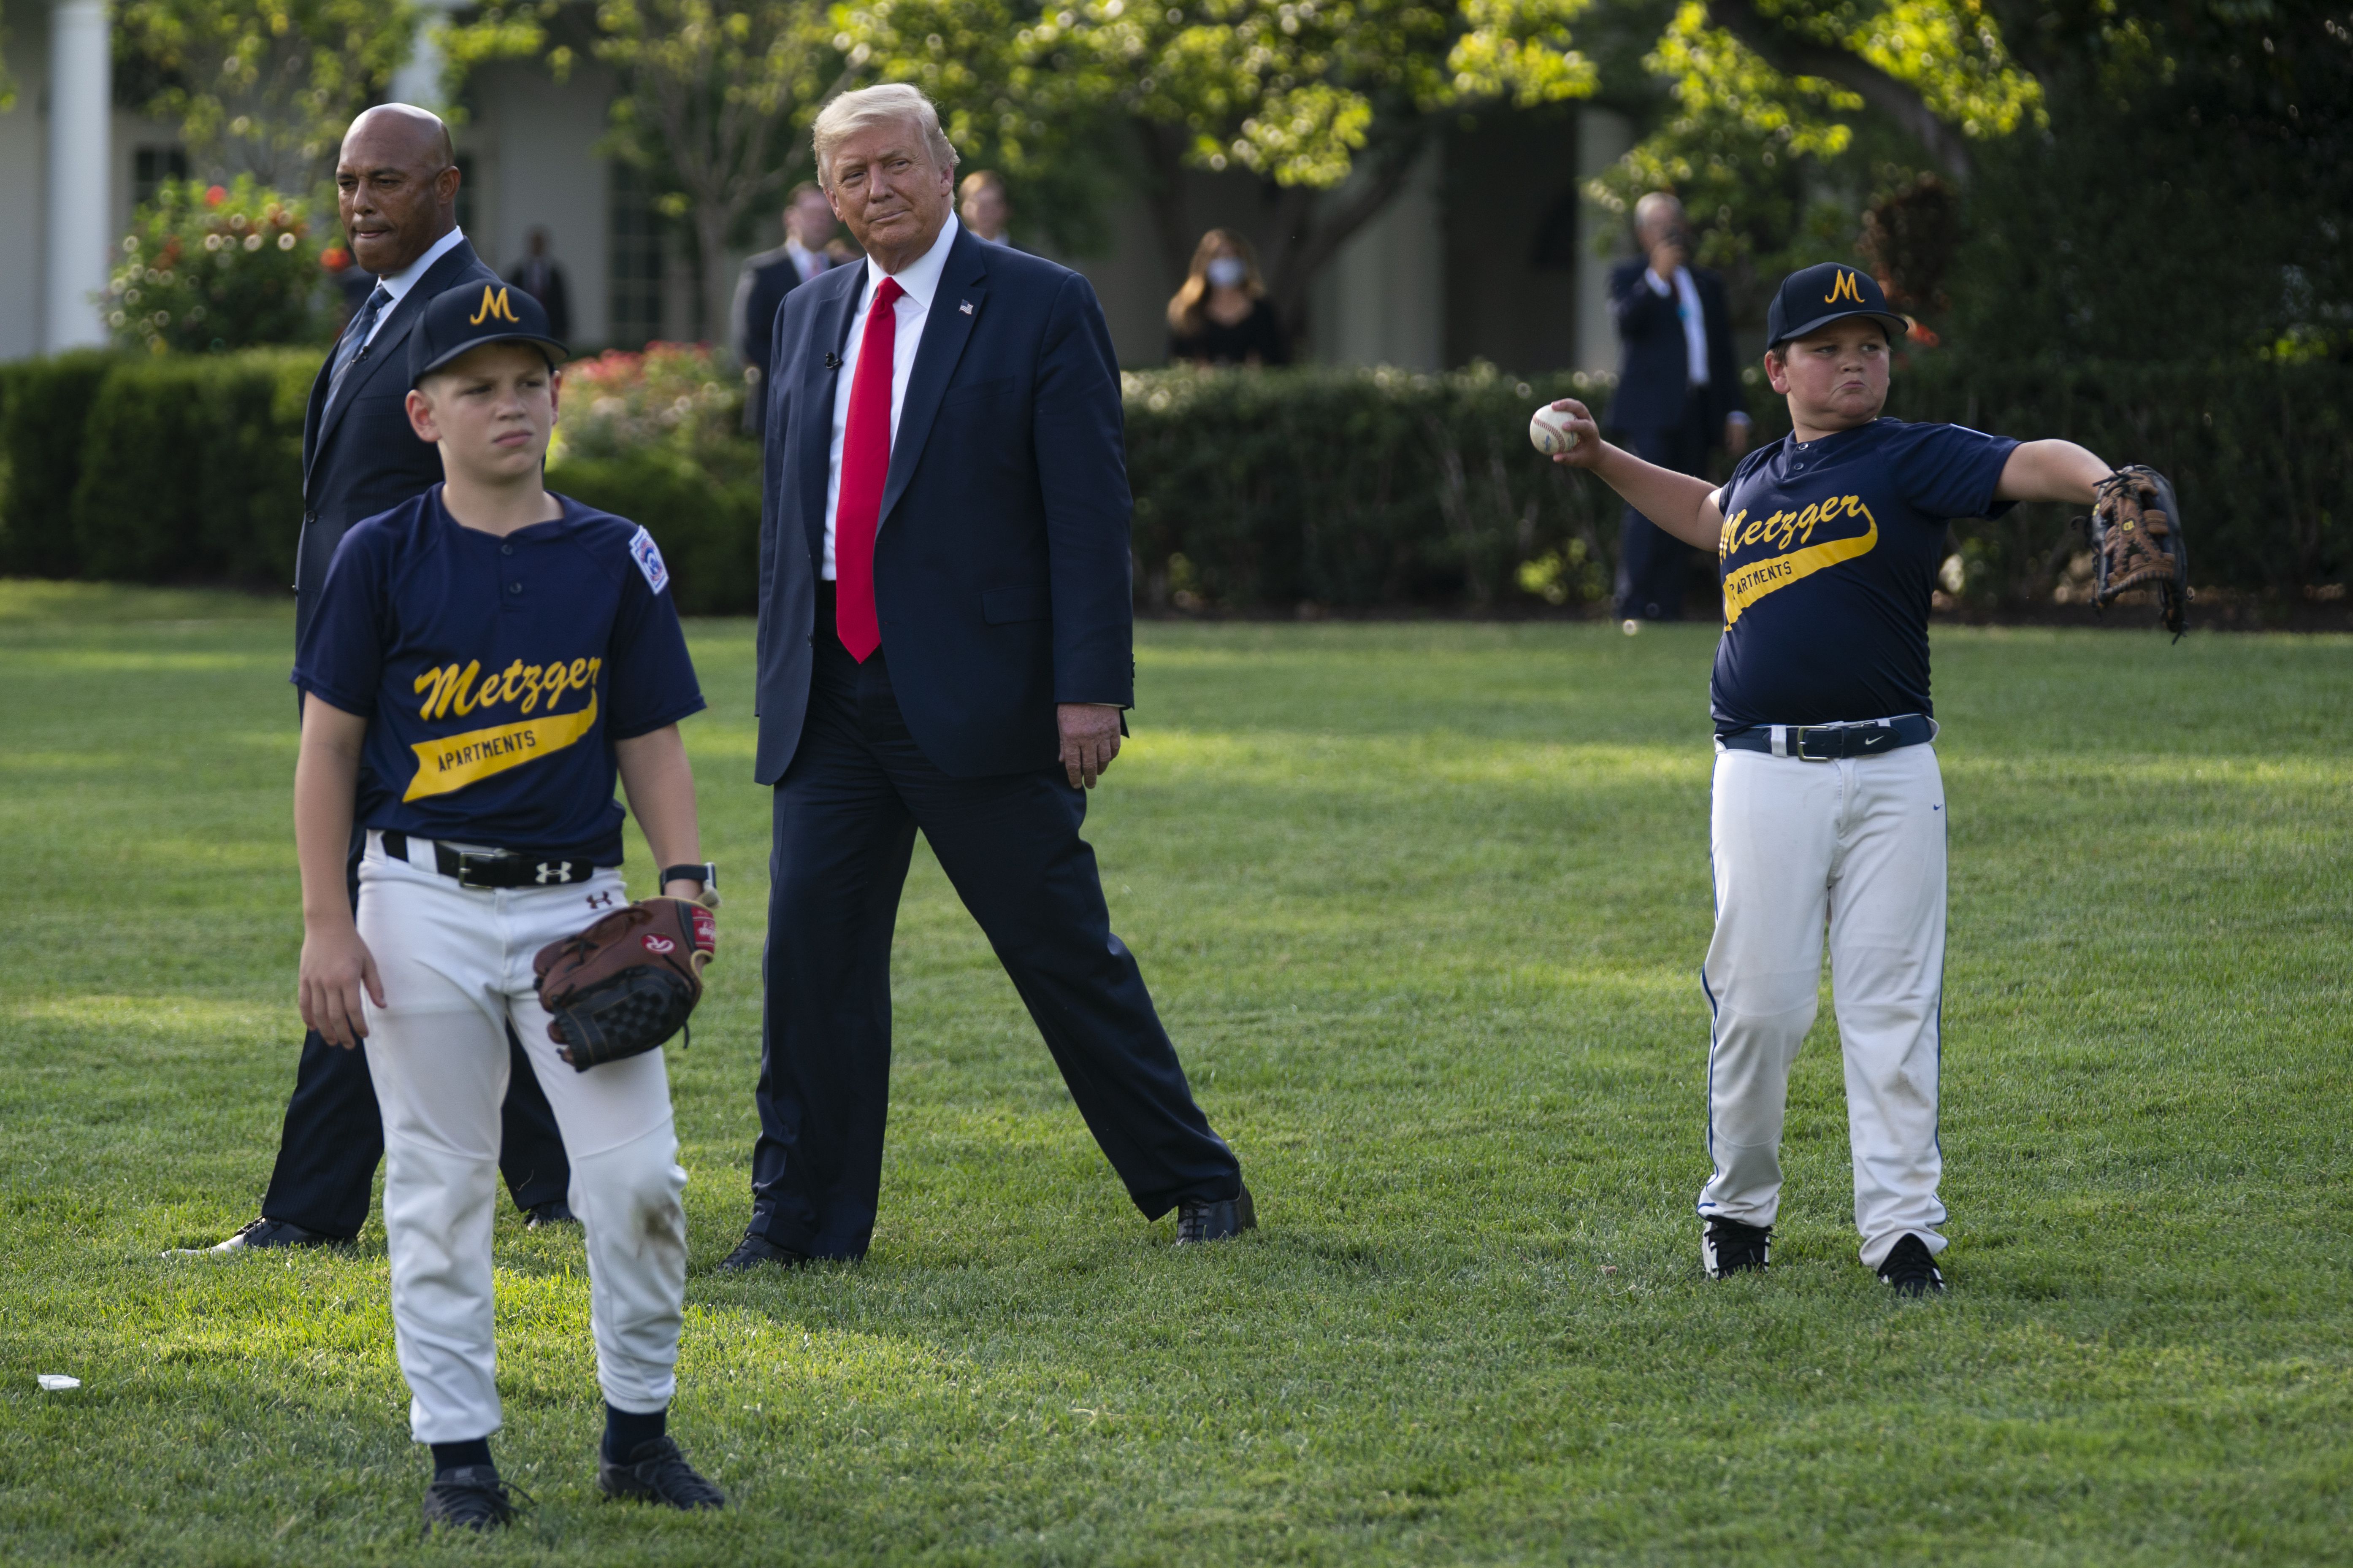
(1001,586)
(1665,420)
(760,291)
(360,457)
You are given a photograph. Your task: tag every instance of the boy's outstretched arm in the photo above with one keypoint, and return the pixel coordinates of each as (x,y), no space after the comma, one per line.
(660,787)
(335,962)
(1682,505)
(2050,470)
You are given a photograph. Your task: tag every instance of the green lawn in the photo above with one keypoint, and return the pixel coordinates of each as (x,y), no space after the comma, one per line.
(1423,906)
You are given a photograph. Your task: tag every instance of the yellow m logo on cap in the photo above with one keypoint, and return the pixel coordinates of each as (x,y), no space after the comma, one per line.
(1844,289)
(494,303)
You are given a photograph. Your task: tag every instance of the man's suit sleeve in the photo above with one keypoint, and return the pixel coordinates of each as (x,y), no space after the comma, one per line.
(1637,310)
(1077,428)
(750,351)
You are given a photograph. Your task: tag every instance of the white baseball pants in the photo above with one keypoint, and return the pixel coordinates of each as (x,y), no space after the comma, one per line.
(456,966)
(1859,844)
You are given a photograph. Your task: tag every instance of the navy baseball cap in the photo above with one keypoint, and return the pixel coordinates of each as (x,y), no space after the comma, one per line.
(1816,296)
(467,316)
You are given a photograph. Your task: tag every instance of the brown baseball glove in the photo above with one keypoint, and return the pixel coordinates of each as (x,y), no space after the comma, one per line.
(2136,526)
(627,982)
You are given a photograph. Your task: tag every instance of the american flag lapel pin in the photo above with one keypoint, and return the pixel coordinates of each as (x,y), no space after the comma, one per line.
(965,307)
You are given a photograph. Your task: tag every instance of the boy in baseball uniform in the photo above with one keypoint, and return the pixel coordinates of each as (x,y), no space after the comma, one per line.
(1827,808)
(484,661)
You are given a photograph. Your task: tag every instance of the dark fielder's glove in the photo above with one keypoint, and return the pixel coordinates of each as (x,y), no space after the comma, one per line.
(627,982)
(2136,542)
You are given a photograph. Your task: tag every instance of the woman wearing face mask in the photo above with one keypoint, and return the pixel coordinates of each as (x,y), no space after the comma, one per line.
(1221,315)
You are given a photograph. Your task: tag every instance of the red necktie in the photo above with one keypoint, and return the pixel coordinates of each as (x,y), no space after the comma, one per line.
(865,464)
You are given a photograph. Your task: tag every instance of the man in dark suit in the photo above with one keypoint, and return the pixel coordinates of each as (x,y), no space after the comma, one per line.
(397,179)
(538,275)
(1678,392)
(945,644)
(767,278)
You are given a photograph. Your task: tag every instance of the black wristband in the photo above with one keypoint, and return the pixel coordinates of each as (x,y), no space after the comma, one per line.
(706,873)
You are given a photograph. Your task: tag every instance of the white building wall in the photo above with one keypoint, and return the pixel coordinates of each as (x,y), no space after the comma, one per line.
(1382,300)
(1603,136)
(531,144)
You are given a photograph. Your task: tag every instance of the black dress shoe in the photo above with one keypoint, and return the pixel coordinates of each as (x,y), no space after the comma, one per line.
(658,1472)
(261,1233)
(555,1211)
(1199,1219)
(468,1497)
(756,1250)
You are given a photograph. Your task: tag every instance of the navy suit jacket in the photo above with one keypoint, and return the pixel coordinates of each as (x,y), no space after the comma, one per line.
(1001,566)
(1654,366)
(360,457)
(760,293)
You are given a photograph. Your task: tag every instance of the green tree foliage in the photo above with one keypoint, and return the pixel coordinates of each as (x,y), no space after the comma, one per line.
(262,88)
(715,102)
(1310,96)
(216,267)
(2190,197)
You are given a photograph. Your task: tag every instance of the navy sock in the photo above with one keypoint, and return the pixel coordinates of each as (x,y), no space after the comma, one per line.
(624,1432)
(449,1456)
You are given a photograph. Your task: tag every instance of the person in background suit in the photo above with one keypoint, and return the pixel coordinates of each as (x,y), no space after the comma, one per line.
(538,275)
(396,184)
(768,277)
(945,644)
(981,203)
(1678,392)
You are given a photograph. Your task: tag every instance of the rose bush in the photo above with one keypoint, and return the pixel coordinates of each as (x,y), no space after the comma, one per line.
(212,267)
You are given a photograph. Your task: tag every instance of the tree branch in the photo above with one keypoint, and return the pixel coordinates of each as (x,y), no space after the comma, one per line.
(1793,54)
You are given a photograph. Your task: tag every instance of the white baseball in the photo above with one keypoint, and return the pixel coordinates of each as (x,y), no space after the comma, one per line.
(1548,428)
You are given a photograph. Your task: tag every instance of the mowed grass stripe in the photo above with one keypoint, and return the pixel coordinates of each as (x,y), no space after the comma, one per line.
(1423,905)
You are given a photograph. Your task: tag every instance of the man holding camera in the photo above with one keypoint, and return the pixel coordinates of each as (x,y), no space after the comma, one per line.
(1678,392)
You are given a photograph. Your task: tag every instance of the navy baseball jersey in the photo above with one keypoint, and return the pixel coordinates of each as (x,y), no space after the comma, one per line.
(1828,557)
(496,673)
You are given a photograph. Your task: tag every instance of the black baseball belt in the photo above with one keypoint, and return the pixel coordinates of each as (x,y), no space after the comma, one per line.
(1831,742)
(485,867)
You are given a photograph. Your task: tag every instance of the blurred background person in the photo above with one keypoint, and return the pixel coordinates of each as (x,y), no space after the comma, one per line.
(767,278)
(538,275)
(1221,315)
(981,203)
(1678,392)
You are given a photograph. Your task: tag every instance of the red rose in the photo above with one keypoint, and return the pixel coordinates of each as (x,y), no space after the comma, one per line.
(215,195)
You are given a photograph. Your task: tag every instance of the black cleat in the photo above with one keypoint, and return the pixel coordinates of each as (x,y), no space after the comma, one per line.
(658,1472)
(754,1250)
(1727,1247)
(468,1497)
(1910,1270)
(261,1233)
(1204,1219)
(555,1211)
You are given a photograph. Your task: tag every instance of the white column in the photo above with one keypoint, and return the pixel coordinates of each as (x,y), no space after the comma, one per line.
(1603,137)
(1383,299)
(80,239)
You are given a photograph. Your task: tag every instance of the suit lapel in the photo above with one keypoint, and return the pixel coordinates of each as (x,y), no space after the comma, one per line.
(818,387)
(947,327)
(395,331)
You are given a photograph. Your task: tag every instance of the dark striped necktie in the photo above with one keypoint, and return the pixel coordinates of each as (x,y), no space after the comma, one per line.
(348,350)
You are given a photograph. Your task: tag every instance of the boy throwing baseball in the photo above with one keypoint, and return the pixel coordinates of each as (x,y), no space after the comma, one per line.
(1828,806)
(484,659)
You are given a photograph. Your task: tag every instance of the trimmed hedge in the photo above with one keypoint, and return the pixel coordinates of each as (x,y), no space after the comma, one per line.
(1256,492)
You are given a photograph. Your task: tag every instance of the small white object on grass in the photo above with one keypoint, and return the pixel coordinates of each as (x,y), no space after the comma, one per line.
(1548,428)
(1630,628)
(57,1382)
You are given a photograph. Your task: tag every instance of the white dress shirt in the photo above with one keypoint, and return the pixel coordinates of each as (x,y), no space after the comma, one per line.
(808,263)
(398,284)
(1694,325)
(910,310)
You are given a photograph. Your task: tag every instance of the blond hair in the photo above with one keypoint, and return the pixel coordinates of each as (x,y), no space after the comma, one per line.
(1184,309)
(886,103)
